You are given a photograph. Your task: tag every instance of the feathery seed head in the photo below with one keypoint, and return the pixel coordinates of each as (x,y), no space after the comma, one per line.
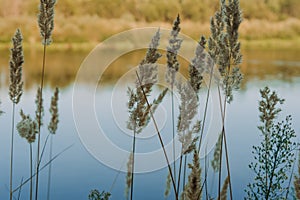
(129,174)
(193,187)
(139,111)
(224,47)
(52,127)
(46,20)
(198,66)
(39,113)
(15,63)
(152,54)
(27,127)
(172,51)
(188,106)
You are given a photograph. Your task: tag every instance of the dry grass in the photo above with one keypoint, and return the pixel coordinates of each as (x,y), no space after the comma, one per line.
(85,31)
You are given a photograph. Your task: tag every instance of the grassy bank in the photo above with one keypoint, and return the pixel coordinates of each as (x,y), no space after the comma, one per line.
(83,33)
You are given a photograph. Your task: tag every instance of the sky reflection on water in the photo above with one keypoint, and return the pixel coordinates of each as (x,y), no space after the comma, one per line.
(76,171)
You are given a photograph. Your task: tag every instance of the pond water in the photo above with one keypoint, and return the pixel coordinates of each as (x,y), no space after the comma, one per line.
(78,170)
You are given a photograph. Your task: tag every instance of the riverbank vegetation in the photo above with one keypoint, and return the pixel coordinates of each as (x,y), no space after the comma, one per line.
(82,24)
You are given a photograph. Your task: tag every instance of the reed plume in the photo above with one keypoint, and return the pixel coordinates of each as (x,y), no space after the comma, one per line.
(129,175)
(224,49)
(46,25)
(197,65)
(187,112)
(52,127)
(15,63)
(223,195)
(168,186)
(15,91)
(27,129)
(139,110)
(172,51)
(215,163)
(39,112)
(193,188)
(159,137)
(172,69)
(46,20)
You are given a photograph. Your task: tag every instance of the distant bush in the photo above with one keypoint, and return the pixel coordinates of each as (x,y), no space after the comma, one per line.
(157,10)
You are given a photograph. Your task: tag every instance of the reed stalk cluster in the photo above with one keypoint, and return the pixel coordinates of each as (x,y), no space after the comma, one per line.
(30,128)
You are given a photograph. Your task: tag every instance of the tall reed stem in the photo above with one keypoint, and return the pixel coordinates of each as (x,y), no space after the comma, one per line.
(184,174)
(12,152)
(173,130)
(206,107)
(223,137)
(179,173)
(31,171)
(39,122)
(159,136)
(132,169)
(50,168)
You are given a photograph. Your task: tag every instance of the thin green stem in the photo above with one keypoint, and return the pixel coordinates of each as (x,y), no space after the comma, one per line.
(132,169)
(184,175)
(205,109)
(31,171)
(44,147)
(205,180)
(39,123)
(49,169)
(12,152)
(173,130)
(43,167)
(223,137)
(179,173)
(206,172)
(20,190)
(221,147)
(116,177)
(159,137)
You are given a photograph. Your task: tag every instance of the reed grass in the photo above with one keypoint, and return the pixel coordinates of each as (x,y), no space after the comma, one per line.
(172,68)
(46,25)
(193,188)
(186,130)
(224,190)
(138,108)
(224,49)
(52,127)
(129,178)
(42,168)
(159,136)
(27,129)
(15,91)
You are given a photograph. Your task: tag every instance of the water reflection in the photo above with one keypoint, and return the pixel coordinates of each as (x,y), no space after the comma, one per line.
(62,66)
(76,172)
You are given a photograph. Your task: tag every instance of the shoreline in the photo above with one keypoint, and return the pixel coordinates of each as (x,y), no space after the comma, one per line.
(260,44)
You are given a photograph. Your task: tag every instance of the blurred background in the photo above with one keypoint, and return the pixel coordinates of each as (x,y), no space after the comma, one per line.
(91,21)
(270,38)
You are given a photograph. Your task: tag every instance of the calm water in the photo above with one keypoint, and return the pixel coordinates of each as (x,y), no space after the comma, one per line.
(77,171)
